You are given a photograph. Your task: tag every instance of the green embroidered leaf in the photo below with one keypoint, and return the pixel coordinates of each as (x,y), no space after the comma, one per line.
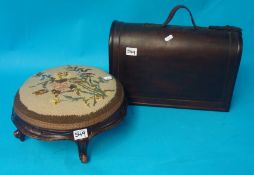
(101,80)
(73,86)
(38,74)
(72,98)
(86,70)
(94,101)
(40,92)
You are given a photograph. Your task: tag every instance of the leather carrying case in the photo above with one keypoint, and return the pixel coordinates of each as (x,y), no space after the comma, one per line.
(176,66)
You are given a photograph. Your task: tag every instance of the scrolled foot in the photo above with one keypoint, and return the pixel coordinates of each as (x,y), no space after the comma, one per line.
(82,149)
(19,135)
(83,158)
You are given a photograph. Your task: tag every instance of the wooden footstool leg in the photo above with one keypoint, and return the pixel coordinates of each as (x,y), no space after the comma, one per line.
(82,149)
(19,135)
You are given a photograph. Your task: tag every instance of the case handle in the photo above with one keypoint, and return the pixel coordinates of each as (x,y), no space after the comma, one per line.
(172,14)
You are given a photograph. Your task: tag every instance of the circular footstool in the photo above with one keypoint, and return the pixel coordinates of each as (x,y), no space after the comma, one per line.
(68,103)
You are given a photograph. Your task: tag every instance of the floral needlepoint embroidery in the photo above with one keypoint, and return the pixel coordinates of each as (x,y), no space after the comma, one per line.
(40,92)
(74,84)
(61,86)
(61,75)
(55,100)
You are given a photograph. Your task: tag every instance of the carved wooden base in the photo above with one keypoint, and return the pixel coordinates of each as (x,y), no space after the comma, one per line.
(26,129)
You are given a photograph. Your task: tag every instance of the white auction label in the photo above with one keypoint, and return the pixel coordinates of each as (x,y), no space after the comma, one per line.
(108,77)
(131,51)
(80,134)
(168,38)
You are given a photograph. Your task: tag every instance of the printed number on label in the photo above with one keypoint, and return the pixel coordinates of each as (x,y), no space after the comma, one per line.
(80,134)
(131,51)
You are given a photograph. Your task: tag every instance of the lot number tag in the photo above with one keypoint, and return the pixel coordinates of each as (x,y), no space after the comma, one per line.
(131,51)
(80,134)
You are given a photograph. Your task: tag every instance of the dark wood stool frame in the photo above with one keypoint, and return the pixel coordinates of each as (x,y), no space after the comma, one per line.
(24,129)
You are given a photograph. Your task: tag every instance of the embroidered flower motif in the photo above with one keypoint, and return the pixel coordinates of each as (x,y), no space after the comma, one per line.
(60,86)
(55,100)
(74,84)
(61,75)
(43,76)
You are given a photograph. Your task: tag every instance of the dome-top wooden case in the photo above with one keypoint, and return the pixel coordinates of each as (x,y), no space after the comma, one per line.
(68,103)
(176,66)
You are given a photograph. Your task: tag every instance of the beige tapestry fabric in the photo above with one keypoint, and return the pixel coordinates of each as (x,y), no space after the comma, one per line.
(68,90)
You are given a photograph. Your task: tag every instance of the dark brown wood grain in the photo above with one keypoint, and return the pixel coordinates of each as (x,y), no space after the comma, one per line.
(25,129)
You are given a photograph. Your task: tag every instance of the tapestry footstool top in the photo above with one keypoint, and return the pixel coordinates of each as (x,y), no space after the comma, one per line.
(68,97)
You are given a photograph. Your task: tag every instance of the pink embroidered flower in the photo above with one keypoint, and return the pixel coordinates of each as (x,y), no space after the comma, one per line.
(61,86)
